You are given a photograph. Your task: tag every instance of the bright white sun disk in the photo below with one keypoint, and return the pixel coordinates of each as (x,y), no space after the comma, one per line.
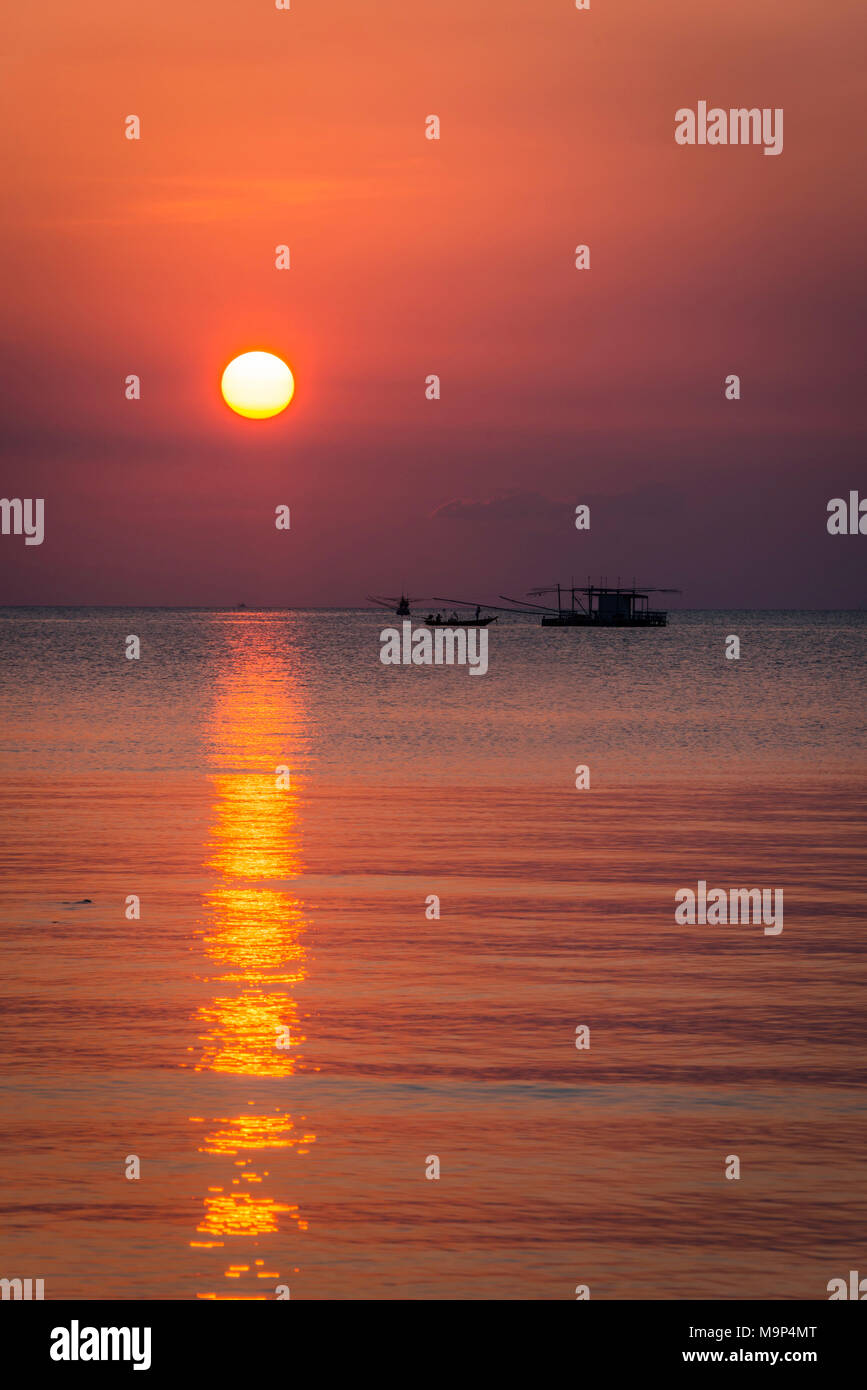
(258,385)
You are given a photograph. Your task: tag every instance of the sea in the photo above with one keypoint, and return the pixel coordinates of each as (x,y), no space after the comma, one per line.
(328,979)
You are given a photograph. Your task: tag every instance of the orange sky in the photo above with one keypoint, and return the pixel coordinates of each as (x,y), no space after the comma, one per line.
(411,257)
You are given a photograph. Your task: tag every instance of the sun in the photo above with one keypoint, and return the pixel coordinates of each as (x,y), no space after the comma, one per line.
(258,385)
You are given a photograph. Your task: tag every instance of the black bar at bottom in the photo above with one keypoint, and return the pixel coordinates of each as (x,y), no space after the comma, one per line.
(238,1339)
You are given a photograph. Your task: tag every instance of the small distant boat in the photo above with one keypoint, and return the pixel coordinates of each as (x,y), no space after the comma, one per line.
(403,603)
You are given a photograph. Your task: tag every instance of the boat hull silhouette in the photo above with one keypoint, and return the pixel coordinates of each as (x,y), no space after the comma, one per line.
(458,622)
(569,619)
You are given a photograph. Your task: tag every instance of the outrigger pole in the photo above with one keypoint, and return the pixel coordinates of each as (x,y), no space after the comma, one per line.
(542,607)
(497,607)
(466,602)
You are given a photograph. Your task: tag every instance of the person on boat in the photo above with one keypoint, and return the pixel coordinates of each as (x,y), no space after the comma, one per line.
(478,611)
(430,617)
(438,618)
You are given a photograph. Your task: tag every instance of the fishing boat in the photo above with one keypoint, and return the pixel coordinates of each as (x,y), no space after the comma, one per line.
(455,619)
(591,605)
(458,619)
(599,605)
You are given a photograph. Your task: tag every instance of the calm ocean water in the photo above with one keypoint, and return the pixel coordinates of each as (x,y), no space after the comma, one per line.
(304,909)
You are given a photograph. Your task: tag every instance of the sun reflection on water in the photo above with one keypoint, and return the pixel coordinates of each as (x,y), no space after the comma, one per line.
(252,931)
